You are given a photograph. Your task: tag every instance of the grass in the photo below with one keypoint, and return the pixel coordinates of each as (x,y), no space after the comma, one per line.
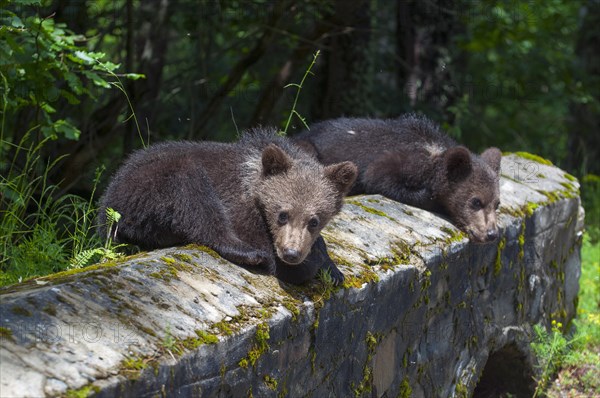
(570,366)
(41,232)
(299,86)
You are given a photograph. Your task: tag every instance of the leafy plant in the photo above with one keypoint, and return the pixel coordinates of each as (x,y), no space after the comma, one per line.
(109,251)
(39,229)
(550,349)
(44,69)
(575,358)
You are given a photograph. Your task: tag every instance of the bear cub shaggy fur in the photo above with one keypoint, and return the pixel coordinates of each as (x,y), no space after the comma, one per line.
(411,161)
(259,201)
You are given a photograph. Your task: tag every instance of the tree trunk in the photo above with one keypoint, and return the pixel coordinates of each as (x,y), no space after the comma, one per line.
(103,127)
(584,123)
(424,33)
(240,68)
(347,85)
(272,93)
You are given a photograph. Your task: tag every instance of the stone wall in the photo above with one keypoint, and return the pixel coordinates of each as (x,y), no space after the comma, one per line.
(421,312)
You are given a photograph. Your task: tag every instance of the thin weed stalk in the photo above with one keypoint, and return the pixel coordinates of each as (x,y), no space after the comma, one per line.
(299,88)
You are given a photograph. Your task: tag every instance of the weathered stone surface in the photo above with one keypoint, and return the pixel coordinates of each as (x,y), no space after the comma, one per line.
(421,313)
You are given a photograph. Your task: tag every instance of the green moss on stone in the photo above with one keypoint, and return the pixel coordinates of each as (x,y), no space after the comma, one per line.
(134,363)
(447,297)
(260,346)
(183,257)
(167,260)
(365,385)
(17,310)
(535,158)
(205,249)
(405,390)
(426,280)
(366,275)
(370,209)
(461,391)
(446,230)
(146,330)
(570,177)
(530,208)
(552,196)
(6,334)
(498,263)
(223,328)
(402,251)
(338,260)
(568,186)
(270,382)
(50,309)
(521,240)
(292,307)
(108,267)
(83,392)
(202,338)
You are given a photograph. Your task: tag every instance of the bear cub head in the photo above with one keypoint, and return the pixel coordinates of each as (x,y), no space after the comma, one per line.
(298,197)
(471,193)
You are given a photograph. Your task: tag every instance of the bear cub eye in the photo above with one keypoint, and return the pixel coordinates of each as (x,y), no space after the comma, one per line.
(476,204)
(313,223)
(283,218)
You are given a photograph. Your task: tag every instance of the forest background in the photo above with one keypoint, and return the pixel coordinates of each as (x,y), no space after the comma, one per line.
(85,82)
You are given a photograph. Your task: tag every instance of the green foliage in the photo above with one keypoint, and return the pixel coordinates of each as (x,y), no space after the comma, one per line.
(42,232)
(575,356)
(44,69)
(44,66)
(550,349)
(520,78)
(588,311)
(590,197)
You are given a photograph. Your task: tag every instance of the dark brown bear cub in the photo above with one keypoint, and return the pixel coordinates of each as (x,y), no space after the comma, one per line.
(259,201)
(411,161)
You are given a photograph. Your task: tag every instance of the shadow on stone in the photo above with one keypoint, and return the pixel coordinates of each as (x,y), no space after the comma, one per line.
(506,374)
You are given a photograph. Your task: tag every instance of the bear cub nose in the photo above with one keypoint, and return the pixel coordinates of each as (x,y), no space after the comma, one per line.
(291,255)
(492,234)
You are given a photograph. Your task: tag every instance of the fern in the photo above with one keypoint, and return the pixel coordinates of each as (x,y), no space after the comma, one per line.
(85,257)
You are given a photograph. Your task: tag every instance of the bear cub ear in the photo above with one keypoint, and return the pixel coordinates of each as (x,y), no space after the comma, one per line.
(342,175)
(492,156)
(275,161)
(458,163)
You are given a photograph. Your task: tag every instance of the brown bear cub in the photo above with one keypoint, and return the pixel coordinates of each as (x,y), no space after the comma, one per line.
(259,201)
(411,161)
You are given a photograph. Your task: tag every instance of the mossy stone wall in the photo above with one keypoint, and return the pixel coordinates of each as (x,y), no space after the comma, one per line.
(420,313)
